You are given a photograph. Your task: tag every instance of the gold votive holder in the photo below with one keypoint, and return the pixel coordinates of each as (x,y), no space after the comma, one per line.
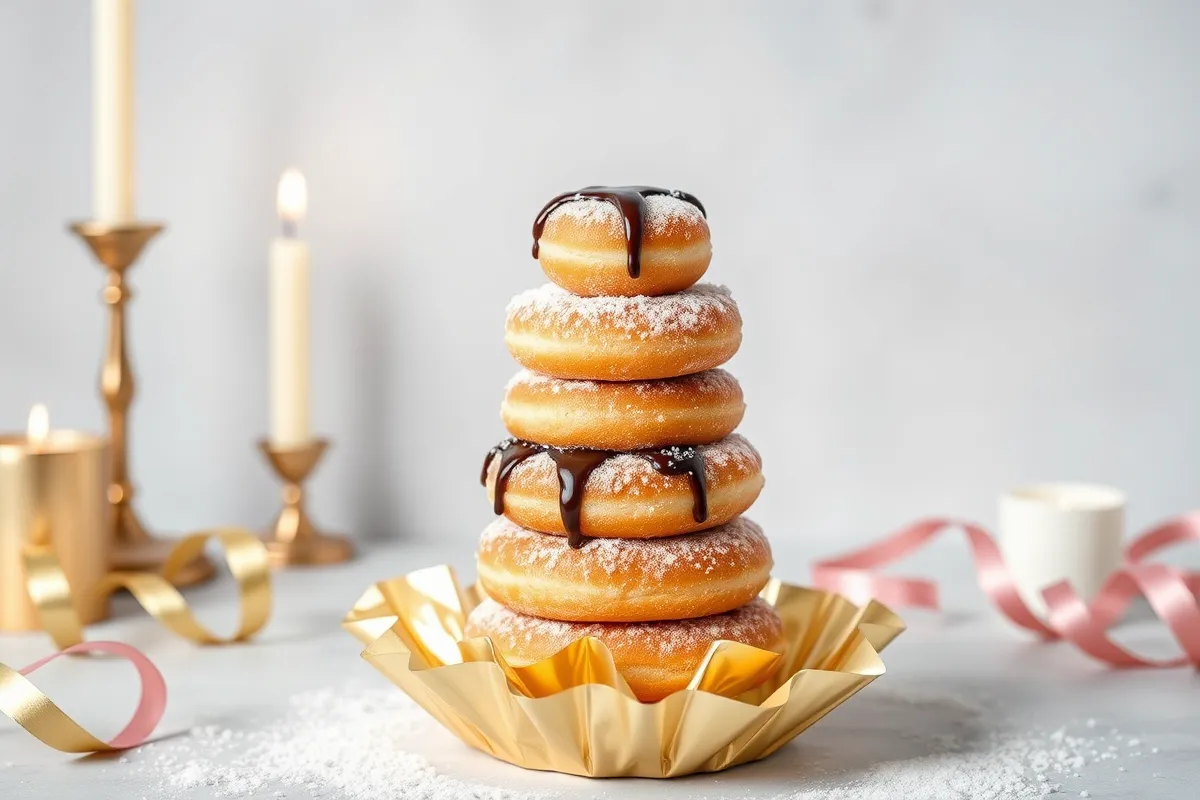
(117,247)
(53,493)
(294,540)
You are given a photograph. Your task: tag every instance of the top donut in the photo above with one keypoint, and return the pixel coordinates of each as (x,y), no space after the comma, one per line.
(623,241)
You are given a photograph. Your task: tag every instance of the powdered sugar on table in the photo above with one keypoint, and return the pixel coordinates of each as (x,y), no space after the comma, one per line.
(341,743)
(354,743)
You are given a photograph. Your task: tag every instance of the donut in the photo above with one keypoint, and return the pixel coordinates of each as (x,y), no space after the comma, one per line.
(624,580)
(557,333)
(625,497)
(693,409)
(583,248)
(655,658)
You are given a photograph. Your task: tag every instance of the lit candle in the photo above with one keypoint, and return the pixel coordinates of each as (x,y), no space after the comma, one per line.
(52,491)
(112,109)
(37,430)
(289,313)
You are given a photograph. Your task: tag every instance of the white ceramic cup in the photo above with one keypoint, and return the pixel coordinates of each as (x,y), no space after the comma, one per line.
(1056,531)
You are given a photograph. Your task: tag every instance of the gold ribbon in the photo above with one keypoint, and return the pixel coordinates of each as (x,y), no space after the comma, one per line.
(243,552)
(50,592)
(24,703)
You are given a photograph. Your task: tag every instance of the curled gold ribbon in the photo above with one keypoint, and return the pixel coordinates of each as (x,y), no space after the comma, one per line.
(50,592)
(26,705)
(243,552)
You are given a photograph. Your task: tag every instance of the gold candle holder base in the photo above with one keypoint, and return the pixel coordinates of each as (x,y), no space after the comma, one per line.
(117,247)
(293,539)
(149,555)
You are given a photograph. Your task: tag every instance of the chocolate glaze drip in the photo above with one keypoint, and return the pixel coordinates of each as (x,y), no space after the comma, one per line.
(683,461)
(511,453)
(574,467)
(630,201)
(577,463)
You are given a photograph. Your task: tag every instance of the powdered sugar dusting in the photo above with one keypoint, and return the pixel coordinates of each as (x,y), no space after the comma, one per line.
(739,544)
(733,457)
(627,473)
(755,624)
(662,214)
(918,742)
(538,381)
(343,743)
(559,312)
(701,384)
(927,744)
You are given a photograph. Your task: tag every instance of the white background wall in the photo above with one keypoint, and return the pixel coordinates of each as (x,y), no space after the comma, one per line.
(964,236)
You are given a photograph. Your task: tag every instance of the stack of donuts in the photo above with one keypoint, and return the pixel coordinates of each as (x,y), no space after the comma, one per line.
(621,491)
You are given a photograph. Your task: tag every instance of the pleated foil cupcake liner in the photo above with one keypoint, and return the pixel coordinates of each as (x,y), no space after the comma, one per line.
(574,713)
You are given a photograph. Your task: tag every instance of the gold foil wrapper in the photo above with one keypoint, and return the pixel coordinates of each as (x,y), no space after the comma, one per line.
(574,713)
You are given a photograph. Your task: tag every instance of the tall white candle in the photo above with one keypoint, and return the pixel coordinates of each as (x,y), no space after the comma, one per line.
(112,135)
(289,312)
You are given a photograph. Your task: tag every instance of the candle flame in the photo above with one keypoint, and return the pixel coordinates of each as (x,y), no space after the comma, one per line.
(292,198)
(39,424)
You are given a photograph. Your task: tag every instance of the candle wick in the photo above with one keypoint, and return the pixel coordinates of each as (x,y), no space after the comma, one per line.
(289,229)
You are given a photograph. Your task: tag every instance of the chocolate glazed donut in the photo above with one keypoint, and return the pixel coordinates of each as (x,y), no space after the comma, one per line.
(623,241)
(639,495)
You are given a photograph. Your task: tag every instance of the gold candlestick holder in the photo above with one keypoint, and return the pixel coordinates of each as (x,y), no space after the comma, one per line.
(294,540)
(117,247)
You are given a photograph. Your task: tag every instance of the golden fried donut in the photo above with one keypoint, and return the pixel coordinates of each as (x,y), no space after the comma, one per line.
(557,333)
(655,658)
(693,409)
(625,497)
(582,248)
(624,580)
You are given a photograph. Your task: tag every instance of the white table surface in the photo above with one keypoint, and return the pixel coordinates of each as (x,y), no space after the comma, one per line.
(968,652)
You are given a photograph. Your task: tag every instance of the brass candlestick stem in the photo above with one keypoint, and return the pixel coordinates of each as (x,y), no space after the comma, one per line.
(293,539)
(117,247)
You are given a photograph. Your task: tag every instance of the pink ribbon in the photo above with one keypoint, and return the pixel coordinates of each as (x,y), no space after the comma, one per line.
(151,704)
(1171,592)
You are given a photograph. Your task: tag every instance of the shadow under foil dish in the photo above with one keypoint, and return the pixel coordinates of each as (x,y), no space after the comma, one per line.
(574,713)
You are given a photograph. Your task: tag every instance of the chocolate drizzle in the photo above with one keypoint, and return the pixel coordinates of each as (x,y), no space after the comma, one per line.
(511,453)
(683,461)
(630,201)
(577,463)
(574,467)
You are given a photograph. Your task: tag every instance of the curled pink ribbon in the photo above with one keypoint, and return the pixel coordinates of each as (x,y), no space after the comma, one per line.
(21,701)
(1171,592)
